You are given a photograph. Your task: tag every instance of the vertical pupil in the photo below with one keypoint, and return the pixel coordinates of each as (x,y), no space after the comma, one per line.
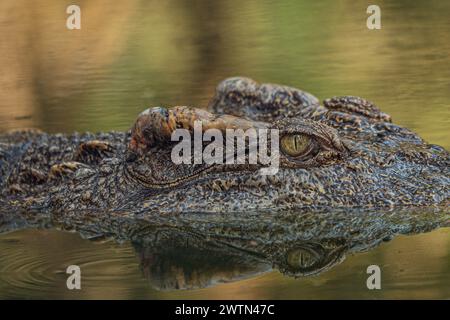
(294,144)
(297,142)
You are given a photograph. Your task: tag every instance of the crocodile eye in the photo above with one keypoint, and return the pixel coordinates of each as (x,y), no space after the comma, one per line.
(295,144)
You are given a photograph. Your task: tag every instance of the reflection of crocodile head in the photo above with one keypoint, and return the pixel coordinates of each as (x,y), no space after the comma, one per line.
(187,261)
(346,153)
(173,259)
(177,260)
(198,250)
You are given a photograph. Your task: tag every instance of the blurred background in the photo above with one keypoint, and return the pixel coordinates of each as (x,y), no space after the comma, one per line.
(134,54)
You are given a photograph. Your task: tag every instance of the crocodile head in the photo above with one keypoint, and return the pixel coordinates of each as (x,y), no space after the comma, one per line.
(344,153)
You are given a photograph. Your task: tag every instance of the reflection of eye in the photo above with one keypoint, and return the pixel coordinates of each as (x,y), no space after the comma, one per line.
(301,258)
(295,144)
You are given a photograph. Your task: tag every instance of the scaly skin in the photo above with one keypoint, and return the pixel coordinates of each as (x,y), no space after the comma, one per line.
(357,158)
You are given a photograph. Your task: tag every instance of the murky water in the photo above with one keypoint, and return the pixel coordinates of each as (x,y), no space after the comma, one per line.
(33,264)
(133,54)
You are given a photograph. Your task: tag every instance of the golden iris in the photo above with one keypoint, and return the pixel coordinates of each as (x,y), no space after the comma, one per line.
(301,258)
(295,144)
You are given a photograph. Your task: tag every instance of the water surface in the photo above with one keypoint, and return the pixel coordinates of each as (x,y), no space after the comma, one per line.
(33,264)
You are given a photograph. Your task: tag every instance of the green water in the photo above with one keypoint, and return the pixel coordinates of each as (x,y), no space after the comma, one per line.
(130,55)
(33,265)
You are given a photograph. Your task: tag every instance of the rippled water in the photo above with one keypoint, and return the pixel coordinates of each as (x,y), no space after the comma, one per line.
(33,263)
(133,54)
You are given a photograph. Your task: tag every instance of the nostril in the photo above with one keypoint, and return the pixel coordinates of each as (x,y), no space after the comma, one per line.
(164,113)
